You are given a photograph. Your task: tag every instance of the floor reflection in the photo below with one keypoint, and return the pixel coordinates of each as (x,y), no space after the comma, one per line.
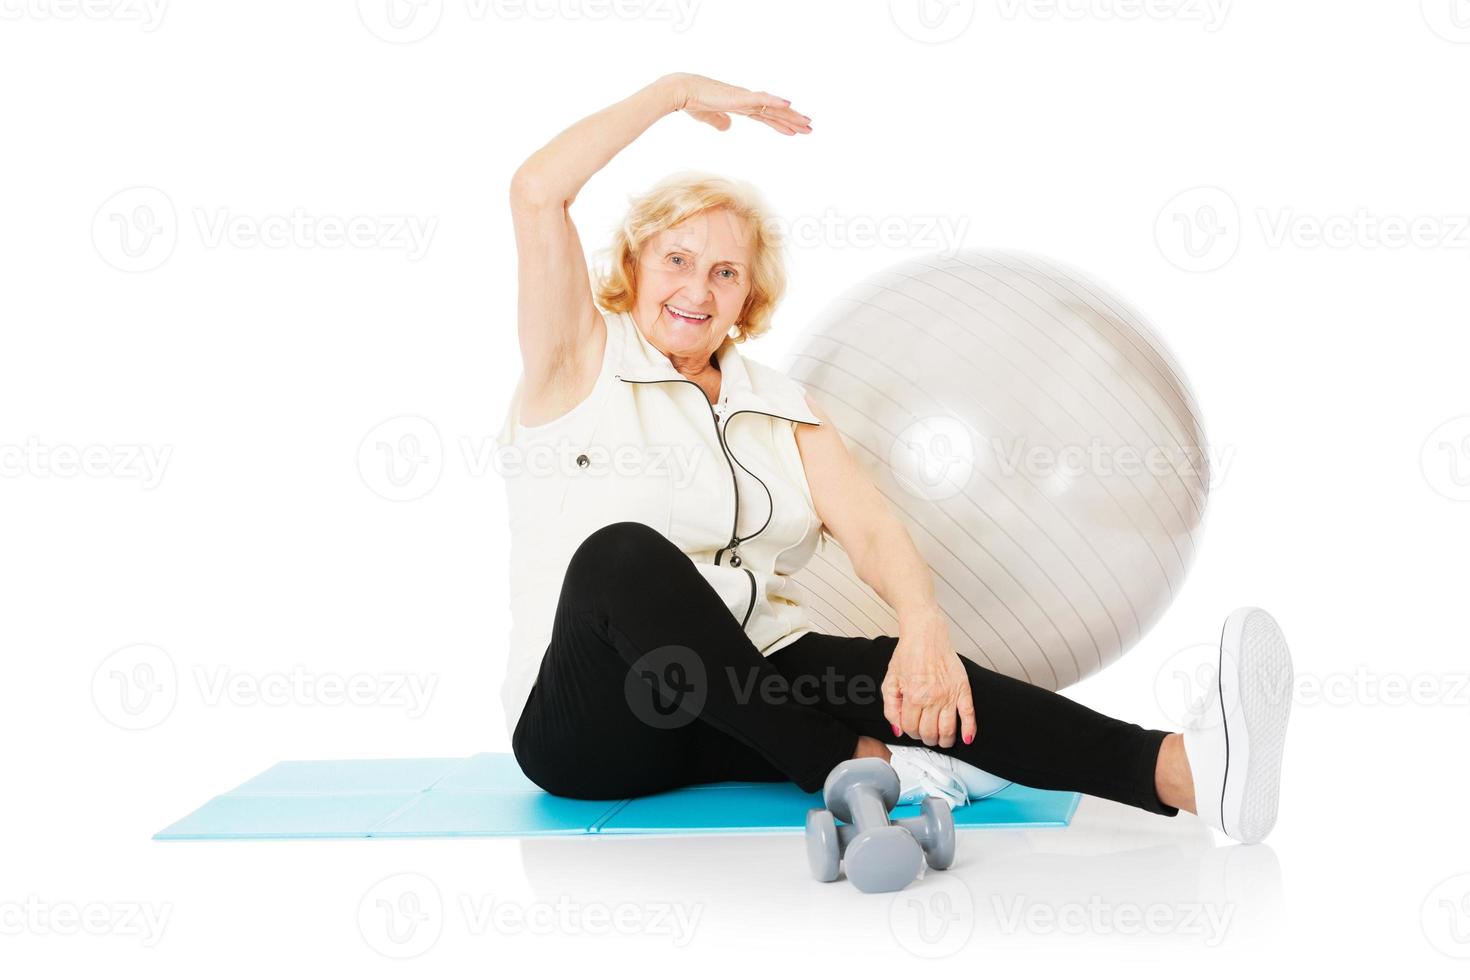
(1118,874)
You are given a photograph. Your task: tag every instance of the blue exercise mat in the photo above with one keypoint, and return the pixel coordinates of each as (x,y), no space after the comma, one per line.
(487,795)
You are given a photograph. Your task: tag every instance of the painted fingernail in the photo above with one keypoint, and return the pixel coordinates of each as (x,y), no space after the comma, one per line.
(969,739)
(896,729)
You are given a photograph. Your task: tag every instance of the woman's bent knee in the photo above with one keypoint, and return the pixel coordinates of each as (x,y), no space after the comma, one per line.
(620,539)
(620,546)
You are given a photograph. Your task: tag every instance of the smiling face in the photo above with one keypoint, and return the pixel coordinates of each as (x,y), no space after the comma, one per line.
(699,267)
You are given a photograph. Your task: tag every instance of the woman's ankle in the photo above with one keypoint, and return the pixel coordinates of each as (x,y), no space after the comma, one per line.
(1173,781)
(869,747)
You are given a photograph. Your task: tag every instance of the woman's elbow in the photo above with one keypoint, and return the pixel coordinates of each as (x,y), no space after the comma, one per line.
(529,188)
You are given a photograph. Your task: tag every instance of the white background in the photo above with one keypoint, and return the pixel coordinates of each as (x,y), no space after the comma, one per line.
(261,543)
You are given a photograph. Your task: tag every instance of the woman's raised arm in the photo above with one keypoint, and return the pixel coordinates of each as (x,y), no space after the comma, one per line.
(556,318)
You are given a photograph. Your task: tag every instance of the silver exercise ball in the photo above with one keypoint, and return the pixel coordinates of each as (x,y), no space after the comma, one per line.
(1037,438)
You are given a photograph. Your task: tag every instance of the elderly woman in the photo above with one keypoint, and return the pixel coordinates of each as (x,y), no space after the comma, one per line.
(663,488)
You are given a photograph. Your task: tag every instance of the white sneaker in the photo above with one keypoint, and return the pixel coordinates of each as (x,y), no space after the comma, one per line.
(1234,733)
(924,772)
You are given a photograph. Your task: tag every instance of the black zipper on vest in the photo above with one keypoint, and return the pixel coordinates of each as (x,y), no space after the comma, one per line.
(734,546)
(771,501)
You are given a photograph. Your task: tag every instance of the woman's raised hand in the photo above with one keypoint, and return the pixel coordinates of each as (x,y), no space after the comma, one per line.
(712,102)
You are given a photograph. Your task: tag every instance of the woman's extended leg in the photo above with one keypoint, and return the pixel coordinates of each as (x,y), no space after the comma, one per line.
(1024,733)
(644,660)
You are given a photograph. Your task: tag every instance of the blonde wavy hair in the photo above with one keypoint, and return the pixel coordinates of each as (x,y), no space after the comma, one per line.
(676,198)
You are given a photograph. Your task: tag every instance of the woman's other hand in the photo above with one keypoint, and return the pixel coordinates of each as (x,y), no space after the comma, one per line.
(926,692)
(712,102)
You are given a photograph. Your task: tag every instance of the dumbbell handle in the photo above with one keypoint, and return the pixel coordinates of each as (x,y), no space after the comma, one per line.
(847,831)
(866,807)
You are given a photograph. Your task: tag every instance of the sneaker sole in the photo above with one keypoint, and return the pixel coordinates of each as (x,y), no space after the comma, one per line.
(1255,691)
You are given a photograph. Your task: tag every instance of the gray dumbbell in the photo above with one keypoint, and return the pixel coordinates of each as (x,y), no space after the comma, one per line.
(880,856)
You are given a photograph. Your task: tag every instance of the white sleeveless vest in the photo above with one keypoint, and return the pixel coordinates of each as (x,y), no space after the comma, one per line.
(724,482)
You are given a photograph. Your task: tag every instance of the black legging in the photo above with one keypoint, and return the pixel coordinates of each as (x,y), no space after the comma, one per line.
(650,684)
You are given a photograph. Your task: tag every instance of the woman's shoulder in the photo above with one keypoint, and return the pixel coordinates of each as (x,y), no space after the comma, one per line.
(763,375)
(567,397)
(778,387)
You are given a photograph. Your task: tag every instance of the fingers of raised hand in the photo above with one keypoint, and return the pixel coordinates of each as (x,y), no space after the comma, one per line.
(778,114)
(774,111)
(719,120)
